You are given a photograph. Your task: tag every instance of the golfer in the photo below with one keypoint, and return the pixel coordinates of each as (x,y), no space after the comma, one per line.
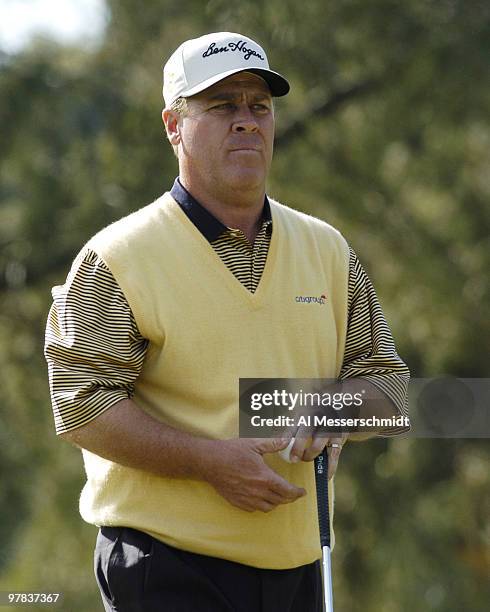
(163,311)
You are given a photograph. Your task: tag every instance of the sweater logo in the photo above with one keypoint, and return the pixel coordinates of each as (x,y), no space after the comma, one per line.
(309,299)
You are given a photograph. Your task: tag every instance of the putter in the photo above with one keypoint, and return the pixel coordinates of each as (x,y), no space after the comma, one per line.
(321,480)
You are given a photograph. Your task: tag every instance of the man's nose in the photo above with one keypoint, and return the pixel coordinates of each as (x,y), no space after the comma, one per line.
(245,120)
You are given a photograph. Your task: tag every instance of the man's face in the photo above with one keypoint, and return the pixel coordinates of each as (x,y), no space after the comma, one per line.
(226,137)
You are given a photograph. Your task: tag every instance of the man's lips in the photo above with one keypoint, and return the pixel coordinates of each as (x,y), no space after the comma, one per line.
(246,146)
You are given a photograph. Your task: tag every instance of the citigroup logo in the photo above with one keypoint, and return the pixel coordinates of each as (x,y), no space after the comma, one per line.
(308,299)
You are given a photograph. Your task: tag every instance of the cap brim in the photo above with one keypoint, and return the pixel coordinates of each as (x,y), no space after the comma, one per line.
(277,83)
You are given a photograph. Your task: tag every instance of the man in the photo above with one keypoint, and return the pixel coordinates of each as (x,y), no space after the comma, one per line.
(163,312)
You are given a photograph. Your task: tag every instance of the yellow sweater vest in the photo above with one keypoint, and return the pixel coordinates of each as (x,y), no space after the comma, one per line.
(205,332)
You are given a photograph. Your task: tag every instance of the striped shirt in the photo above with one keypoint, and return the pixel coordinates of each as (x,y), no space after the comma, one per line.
(95,350)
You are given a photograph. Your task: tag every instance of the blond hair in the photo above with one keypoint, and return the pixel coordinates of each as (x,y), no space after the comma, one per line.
(180,107)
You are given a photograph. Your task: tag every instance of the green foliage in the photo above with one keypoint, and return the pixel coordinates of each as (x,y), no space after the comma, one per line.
(386,136)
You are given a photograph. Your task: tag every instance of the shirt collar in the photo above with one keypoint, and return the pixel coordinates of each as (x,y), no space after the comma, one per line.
(210,227)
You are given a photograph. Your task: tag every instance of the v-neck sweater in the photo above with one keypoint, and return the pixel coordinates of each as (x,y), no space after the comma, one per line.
(205,331)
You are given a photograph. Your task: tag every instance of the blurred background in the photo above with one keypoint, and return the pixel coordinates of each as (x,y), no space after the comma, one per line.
(385,135)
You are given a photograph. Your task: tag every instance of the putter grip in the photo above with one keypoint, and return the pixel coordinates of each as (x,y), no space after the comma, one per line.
(321,480)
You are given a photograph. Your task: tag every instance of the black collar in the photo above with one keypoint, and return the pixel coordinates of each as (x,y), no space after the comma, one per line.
(210,227)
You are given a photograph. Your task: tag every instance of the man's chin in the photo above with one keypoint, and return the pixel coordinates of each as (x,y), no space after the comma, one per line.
(247,178)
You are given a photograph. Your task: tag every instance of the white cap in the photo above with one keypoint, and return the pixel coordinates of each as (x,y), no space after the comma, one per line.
(201,62)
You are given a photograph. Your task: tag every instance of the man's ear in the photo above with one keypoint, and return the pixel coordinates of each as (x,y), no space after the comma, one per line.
(171,122)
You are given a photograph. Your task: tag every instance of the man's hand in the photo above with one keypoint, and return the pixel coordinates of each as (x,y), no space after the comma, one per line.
(238,472)
(307,448)
(235,468)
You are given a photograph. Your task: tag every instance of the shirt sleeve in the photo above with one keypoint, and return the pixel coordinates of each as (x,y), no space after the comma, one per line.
(93,347)
(370,352)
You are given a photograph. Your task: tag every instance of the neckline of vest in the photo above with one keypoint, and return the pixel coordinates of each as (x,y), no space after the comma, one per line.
(255,299)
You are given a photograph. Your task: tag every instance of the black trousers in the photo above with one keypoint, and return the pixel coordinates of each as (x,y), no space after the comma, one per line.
(137,573)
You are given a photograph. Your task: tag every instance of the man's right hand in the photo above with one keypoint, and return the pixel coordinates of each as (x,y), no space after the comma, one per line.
(238,472)
(129,436)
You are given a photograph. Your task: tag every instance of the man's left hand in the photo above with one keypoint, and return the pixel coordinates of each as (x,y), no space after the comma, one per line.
(306,449)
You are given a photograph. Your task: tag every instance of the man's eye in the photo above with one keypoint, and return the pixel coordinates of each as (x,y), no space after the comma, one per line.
(260,108)
(224,106)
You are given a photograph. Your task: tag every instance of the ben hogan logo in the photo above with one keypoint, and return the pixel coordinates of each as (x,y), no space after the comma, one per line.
(305,299)
(233,46)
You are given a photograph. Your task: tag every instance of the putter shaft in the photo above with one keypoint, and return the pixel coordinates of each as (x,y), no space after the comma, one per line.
(321,481)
